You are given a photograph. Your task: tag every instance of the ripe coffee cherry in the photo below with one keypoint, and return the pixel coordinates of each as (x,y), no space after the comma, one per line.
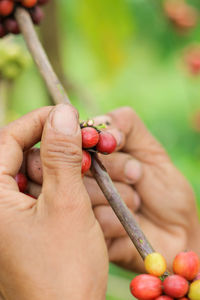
(146,287)
(175,286)
(155,264)
(184,298)
(107,143)
(90,137)
(6,7)
(29,3)
(186,264)
(21,181)
(86,162)
(164,298)
(11,26)
(37,15)
(194,291)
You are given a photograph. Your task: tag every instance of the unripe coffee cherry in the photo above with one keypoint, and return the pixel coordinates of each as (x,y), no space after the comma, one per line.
(90,137)
(107,143)
(155,264)
(186,264)
(6,7)
(175,286)
(146,287)
(194,291)
(22,182)
(86,162)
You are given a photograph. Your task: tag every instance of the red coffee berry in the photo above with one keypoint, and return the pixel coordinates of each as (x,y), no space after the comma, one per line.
(186,264)
(90,137)
(29,3)
(11,26)
(164,297)
(146,287)
(175,286)
(6,7)
(21,181)
(107,143)
(86,162)
(37,15)
(184,298)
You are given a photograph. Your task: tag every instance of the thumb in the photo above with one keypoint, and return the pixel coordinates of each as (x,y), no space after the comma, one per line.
(61,156)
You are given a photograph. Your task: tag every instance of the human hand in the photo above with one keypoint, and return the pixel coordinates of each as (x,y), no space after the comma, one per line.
(52,248)
(157,194)
(167,214)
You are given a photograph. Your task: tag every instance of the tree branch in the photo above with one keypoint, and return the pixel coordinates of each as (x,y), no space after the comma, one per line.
(100,174)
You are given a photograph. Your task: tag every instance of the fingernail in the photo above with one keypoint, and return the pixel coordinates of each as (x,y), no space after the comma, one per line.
(64,119)
(117,135)
(133,171)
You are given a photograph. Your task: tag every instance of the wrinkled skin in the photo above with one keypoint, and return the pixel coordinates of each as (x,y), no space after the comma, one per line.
(158,195)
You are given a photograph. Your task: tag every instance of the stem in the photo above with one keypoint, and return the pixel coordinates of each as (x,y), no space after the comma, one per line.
(59,96)
(121,210)
(53,84)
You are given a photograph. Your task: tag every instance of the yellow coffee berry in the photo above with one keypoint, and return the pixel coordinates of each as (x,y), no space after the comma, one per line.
(155,264)
(194,291)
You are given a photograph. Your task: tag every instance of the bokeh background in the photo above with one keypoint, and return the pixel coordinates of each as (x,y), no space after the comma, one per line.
(112,53)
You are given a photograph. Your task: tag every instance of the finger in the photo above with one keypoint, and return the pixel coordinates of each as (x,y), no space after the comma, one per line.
(119,135)
(139,141)
(130,197)
(61,156)
(135,137)
(16,138)
(110,224)
(34,166)
(122,167)
(123,253)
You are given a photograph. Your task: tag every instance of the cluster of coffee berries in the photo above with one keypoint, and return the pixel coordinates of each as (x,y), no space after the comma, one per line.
(93,140)
(183,284)
(182,15)
(8,24)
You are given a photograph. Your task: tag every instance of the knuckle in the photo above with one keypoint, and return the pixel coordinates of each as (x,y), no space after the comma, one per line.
(59,151)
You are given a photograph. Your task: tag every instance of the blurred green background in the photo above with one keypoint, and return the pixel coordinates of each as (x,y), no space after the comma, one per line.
(117,53)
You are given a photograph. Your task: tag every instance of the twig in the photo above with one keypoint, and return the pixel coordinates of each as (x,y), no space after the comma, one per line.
(59,96)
